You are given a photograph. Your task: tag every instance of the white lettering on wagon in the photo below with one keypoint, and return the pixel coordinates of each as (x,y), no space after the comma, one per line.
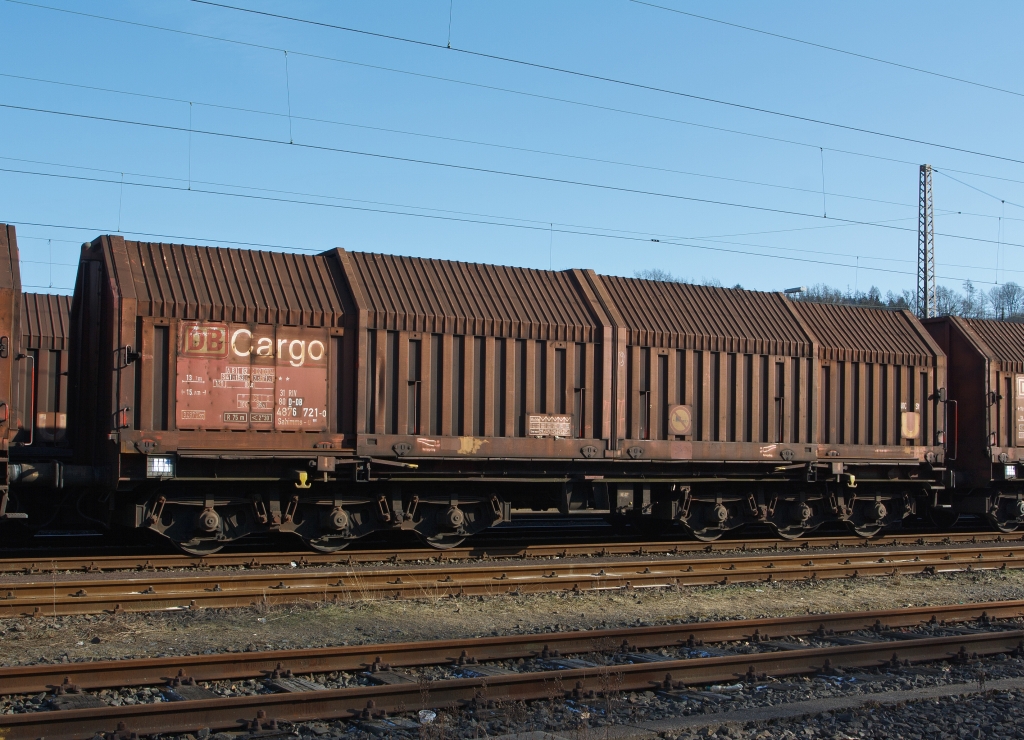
(243,369)
(297,349)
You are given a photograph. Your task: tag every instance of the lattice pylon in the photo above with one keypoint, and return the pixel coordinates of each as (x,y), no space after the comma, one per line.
(926,298)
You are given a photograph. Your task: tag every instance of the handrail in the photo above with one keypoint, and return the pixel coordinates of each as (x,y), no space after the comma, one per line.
(956,429)
(32,402)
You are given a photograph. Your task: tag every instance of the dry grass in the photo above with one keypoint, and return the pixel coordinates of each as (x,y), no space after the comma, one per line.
(326,622)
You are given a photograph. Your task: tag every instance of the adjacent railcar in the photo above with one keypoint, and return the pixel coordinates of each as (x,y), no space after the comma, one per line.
(41,377)
(10,328)
(986,419)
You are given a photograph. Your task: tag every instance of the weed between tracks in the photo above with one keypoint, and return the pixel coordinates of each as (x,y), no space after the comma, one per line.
(268,625)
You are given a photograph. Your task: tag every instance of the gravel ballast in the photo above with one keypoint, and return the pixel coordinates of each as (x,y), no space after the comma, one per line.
(84,638)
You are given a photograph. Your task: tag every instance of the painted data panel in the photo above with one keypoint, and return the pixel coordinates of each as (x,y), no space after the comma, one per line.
(242,377)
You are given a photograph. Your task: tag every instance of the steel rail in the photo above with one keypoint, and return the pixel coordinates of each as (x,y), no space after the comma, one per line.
(583,684)
(42,564)
(235,666)
(226,591)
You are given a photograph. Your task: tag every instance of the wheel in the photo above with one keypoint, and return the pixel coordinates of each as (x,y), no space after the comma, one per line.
(328,544)
(871,516)
(708,535)
(199,548)
(792,533)
(441,541)
(708,521)
(867,530)
(1005,514)
(792,519)
(1007,526)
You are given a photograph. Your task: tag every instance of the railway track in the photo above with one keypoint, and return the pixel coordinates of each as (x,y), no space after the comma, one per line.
(626,668)
(104,563)
(202,589)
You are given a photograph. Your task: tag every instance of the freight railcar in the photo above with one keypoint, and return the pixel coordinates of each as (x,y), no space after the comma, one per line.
(215,393)
(775,411)
(10,327)
(41,378)
(986,419)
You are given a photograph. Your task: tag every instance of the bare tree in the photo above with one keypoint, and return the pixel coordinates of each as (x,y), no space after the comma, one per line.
(1003,302)
(664,276)
(974,302)
(654,273)
(1007,301)
(872,298)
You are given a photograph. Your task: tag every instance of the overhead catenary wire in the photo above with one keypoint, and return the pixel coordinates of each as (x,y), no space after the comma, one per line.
(120,201)
(749,182)
(835,49)
(723,238)
(983,192)
(190,145)
(537,228)
(470,168)
(887,158)
(680,241)
(451,4)
(482,86)
(508,147)
(824,209)
(288,93)
(619,82)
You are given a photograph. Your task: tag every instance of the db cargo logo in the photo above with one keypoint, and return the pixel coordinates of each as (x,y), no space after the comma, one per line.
(206,340)
(243,344)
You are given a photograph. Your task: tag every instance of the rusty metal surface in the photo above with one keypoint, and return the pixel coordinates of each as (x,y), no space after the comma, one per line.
(44,321)
(445,297)
(236,666)
(986,359)
(10,327)
(230,376)
(464,350)
(1003,339)
(856,334)
(171,343)
(879,374)
(148,592)
(10,266)
(41,370)
(664,314)
(217,284)
(579,683)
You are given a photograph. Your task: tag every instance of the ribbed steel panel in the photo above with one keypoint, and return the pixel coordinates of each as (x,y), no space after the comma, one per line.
(243,286)
(1004,338)
(10,273)
(10,322)
(445,297)
(985,358)
(663,314)
(857,334)
(44,320)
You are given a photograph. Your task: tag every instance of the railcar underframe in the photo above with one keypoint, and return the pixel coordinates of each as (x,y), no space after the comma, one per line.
(330,502)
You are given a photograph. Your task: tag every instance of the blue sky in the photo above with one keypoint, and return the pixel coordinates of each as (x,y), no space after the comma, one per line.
(261,177)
